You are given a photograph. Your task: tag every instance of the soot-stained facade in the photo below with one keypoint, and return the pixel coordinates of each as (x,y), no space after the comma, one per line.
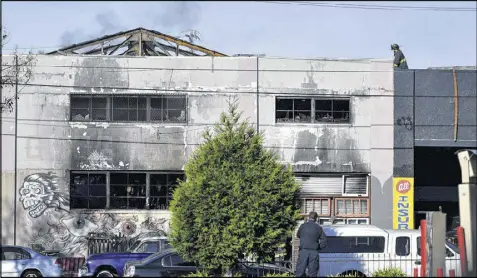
(102,141)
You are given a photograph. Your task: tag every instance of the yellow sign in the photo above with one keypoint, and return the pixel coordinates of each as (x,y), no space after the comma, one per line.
(403,203)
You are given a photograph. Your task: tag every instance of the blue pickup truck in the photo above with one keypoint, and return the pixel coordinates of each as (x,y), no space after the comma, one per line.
(112,264)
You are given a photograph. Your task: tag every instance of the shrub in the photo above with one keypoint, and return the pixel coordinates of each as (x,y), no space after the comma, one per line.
(280,275)
(352,274)
(389,272)
(198,274)
(237,199)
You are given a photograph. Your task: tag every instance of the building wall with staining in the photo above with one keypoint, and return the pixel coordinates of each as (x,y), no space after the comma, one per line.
(50,145)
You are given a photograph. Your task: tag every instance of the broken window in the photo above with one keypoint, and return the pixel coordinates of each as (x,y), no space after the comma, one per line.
(168,109)
(129,109)
(89,108)
(122,190)
(88,190)
(332,110)
(127,191)
(161,189)
(122,108)
(293,110)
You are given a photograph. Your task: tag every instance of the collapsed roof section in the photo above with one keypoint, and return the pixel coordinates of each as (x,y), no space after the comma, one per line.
(137,42)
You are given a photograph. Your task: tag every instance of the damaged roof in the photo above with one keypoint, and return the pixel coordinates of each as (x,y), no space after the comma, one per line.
(137,42)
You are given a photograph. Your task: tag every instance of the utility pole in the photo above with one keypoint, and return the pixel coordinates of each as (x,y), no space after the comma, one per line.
(258,97)
(15,154)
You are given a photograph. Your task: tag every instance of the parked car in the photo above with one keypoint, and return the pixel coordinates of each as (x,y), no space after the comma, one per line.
(169,264)
(364,249)
(20,261)
(111,264)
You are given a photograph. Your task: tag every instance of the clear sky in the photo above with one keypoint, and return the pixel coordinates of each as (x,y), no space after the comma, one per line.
(427,38)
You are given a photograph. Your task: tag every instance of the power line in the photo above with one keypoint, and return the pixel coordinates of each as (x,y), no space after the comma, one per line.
(179,144)
(373,7)
(284,92)
(119,69)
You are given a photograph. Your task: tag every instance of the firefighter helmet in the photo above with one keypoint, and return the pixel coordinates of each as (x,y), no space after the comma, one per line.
(394,46)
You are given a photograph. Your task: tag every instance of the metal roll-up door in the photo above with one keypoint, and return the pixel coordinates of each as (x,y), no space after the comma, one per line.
(355,185)
(320,186)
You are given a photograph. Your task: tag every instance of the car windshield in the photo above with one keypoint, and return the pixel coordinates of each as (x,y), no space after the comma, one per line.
(133,246)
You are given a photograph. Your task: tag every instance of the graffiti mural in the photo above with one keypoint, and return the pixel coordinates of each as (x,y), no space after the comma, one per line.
(68,234)
(59,229)
(40,192)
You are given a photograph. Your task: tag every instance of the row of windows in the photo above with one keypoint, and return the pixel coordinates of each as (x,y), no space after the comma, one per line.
(312,110)
(167,109)
(343,207)
(120,190)
(173,109)
(374,244)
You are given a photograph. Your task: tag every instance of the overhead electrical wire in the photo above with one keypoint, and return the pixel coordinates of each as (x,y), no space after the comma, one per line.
(372,6)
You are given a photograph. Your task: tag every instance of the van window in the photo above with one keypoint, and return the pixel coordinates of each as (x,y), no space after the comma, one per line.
(418,247)
(403,246)
(349,244)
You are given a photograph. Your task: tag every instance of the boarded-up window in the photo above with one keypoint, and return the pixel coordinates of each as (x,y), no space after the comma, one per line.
(355,185)
(351,207)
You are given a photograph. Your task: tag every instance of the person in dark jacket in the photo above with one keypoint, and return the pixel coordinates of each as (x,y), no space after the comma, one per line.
(312,239)
(399,59)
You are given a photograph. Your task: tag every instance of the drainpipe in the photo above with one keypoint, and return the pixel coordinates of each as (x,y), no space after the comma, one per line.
(15,155)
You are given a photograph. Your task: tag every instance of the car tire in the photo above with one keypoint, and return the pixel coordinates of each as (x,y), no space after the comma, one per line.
(31,273)
(105,273)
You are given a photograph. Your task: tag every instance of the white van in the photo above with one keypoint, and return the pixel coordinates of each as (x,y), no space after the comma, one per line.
(364,249)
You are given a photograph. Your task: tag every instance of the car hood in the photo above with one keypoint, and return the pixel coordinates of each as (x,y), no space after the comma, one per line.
(134,263)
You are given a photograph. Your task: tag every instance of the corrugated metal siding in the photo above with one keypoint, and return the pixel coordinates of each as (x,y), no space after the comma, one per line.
(320,186)
(356,185)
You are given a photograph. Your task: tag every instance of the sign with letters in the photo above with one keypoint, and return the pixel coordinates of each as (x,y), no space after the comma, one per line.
(403,203)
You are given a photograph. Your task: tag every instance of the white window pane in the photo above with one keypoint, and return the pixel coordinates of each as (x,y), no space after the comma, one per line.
(356,207)
(349,207)
(364,206)
(340,207)
(325,207)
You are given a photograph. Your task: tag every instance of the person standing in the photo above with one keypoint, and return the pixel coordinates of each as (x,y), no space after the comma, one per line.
(399,58)
(312,239)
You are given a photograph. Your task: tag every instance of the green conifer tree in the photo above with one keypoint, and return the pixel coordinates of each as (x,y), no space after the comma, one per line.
(237,199)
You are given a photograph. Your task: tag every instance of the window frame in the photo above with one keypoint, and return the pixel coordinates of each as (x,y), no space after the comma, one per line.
(332,99)
(303,199)
(382,248)
(343,193)
(108,187)
(353,215)
(90,98)
(313,100)
(110,107)
(17,250)
(89,196)
(409,241)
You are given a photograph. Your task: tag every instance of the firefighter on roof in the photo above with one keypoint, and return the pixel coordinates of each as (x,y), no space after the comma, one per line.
(399,59)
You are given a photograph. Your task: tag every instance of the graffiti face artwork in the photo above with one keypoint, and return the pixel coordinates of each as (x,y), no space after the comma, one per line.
(41,191)
(58,228)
